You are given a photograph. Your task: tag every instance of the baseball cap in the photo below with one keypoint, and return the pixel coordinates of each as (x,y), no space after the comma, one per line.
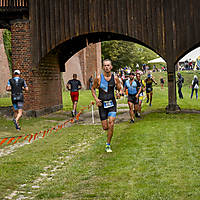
(17,72)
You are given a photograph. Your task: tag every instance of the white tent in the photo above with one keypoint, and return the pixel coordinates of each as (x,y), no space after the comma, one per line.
(193,55)
(157,60)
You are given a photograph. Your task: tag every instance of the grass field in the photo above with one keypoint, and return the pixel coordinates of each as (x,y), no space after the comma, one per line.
(157,158)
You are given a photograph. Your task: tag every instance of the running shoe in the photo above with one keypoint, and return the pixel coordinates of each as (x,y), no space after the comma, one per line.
(136,114)
(108,149)
(132,121)
(72,114)
(147,100)
(150,104)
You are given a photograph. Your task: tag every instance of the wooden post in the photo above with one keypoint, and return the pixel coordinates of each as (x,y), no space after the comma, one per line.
(172,100)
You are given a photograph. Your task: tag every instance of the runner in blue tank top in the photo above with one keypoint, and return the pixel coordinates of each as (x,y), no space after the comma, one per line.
(134,90)
(106,102)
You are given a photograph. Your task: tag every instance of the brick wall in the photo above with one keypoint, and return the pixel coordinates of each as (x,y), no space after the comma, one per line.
(44,81)
(21,54)
(85,63)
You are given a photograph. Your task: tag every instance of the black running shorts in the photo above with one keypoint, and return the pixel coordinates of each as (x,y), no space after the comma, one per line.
(149,90)
(104,113)
(132,99)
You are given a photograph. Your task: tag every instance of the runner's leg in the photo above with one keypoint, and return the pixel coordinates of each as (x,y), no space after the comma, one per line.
(111,121)
(151,94)
(130,104)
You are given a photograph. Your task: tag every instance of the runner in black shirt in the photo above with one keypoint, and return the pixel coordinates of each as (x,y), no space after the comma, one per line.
(74,86)
(106,102)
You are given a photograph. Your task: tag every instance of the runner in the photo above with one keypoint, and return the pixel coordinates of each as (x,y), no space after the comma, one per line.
(74,86)
(162,82)
(106,102)
(134,90)
(16,85)
(149,88)
(141,95)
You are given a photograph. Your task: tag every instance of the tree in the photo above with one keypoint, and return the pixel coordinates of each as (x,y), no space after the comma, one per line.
(123,53)
(7,46)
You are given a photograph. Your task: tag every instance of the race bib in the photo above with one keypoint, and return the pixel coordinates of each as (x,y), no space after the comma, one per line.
(108,104)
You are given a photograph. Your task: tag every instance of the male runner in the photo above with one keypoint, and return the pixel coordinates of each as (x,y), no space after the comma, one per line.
(149,88)
(106,102)
(141,95)
(16,85)
(134,90)
(74,86)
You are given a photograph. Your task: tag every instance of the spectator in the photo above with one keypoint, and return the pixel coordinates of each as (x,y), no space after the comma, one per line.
(195,86)
(180,84)
(162,82)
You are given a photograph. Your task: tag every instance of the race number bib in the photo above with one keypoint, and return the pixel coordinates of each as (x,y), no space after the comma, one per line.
(108,104)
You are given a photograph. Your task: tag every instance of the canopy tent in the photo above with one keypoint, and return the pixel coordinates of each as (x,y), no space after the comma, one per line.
(192,56)
(157,60)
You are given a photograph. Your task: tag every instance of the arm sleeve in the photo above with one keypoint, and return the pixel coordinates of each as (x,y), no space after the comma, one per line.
(8,83)
(125,85)
(79,83)
(25,85)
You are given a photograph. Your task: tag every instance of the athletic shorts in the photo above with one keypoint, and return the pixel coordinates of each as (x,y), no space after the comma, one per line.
(149,90)
(132,99)
(74,96)
(18,105)
(104,113)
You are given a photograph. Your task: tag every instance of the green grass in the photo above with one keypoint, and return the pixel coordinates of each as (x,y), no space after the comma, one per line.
(85,98)
(155,158)
(5,101)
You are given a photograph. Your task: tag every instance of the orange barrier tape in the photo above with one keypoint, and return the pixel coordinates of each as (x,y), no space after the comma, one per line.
(17,139)
(45,132)
(11,139)
(3,141)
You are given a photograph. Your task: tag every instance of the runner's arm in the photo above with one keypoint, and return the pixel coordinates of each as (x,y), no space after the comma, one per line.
(79,85)
(118,86)
(68,86)
(154,81)
(93,90)
(140,88)
(25,87)
(8,87)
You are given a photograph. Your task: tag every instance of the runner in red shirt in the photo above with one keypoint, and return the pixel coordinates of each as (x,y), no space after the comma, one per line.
(74,86)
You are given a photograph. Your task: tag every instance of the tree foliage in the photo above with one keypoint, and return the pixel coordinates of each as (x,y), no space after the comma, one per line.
(7,46)
(123,53)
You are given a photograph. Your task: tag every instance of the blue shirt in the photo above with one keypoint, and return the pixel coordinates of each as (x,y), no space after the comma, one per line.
(132,88)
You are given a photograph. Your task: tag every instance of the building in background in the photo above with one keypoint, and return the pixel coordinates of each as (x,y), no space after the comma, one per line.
(85,63)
